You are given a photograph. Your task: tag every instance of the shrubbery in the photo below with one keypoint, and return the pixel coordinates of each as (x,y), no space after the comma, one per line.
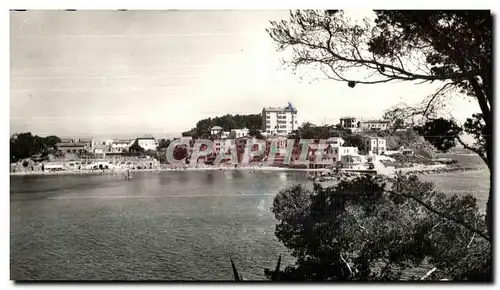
(374,229)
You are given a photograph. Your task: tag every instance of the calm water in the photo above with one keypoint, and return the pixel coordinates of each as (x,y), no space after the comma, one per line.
(161,225)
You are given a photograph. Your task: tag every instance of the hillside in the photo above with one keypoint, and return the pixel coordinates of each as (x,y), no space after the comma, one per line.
(408,139)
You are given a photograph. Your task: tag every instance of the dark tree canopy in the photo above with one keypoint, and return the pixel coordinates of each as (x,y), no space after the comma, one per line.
(365,229)
(253,122)
(25,145)
(441,133)
(136,148)
(450,48)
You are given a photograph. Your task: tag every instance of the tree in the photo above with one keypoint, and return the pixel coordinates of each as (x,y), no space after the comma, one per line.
(255,133)
(136,148)
(364,229)
(203,128)
(441,133)
(311,131)
(476,127)
(25,145)
(450,48)
(51,141)
(191,133)
(163,143)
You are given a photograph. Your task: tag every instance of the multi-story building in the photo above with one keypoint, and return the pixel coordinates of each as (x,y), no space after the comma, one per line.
(277,120)
(374,125)
(339,151)
(215,130)
(375,145)
(223,146)
(349,122)
(148,143)
(352,161)
(239,133)
(335,141)
(119,145)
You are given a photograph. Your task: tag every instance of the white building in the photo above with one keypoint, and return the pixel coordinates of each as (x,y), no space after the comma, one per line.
(352,161)
(279,120)
(238,133)
(375,145)
(148,143)
(335,141)
(122,144)
(215,130)
(339,152)
(374,125)
(223,146)
(225,135)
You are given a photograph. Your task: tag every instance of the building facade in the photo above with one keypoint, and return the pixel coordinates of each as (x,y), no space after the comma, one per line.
(335,141)
(239,133)
(277,120)
(375,145)
(148,143)
(215,130)
(349,122)
(118,146)
(374,125)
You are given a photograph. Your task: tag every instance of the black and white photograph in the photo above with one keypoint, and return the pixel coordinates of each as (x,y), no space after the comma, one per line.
(243,145)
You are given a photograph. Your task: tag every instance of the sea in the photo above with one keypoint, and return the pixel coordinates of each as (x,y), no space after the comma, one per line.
(184,225)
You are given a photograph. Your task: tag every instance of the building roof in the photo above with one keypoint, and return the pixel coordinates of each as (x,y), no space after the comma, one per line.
(316,146)
(375,121)
(335,139)
(288,108)
(216,128)
(122,141)
(280,137)
(71,144)
(347,118)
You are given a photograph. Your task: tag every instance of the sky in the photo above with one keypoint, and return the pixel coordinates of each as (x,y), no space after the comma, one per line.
(130,73)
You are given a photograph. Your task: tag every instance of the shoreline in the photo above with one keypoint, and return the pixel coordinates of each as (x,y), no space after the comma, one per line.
(389,171)
(108,172)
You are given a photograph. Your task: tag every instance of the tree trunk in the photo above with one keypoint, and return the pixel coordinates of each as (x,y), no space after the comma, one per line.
(489,157)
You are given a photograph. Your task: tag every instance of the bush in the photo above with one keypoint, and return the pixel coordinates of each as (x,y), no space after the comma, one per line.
(373,229)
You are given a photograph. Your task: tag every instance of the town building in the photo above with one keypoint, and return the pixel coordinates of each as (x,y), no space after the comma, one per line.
(349,123)
(375,145)
(215,130)
(335,141)
(148,143)
(352,161)
(73,147)
(120,145)
(280,144)
(374,125)
(225,135)
(278,120)
(239,133)
(320,155)
(223,146)
(339,151)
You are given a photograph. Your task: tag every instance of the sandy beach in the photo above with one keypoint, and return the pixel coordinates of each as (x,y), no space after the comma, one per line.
(207,168)
(388,171)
